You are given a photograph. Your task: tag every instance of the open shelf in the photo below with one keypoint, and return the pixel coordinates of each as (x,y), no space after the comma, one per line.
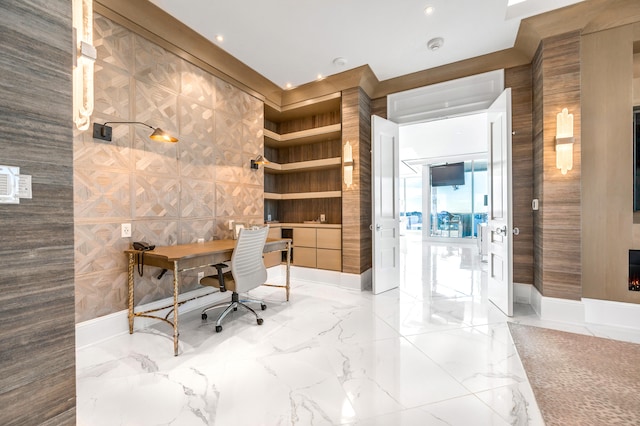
(323,164)
(318,134)
(302,195)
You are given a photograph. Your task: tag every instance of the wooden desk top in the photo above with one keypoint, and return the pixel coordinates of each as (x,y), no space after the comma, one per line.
(186,251)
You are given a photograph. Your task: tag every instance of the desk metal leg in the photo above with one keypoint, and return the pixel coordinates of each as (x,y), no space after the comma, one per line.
(130,290)
(175,308)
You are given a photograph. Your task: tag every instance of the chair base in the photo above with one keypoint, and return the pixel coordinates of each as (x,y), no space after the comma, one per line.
(233,305)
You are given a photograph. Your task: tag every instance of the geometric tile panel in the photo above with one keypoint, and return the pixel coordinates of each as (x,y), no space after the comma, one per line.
(156,197)
(238,200)
(100,293)
(196,121)
(155,65)
(99,247)
(197,198)
(197,84)
(228,131)
(154,157)
(154,231)
(101,194)
(191,230)
(156,106)
(196,158)
(112,91)
(114,43)
(88,153)
(229,99)
(170,193)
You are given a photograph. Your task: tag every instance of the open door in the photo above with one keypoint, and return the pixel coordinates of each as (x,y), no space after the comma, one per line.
(500,225)
(385,178)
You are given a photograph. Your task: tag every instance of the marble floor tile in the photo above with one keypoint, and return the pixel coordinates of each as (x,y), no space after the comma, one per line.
(434,351)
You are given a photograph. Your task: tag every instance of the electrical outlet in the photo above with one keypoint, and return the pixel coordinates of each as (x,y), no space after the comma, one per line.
(322,218)
(24,186)
(200,275)
(230,225)
(125,230)
(200,240)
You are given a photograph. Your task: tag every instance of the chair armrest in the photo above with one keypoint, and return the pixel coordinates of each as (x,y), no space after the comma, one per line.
(219,267)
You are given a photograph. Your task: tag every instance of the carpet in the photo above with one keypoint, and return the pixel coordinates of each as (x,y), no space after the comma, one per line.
(578,379)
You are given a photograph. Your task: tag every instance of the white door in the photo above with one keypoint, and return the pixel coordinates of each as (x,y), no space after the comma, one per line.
(500,213)
(385,175)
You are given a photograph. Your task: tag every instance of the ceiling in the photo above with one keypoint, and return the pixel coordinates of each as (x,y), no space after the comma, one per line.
(293,42)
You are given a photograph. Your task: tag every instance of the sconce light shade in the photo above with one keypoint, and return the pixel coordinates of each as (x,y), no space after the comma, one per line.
(104,132)
(347,159)
(564,141)
(259,160)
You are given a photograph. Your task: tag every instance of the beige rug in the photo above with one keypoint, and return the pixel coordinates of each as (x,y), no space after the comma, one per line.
(580,380)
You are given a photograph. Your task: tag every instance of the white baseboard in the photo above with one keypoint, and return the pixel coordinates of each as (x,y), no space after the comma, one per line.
(108,326)
(105,327)
(522,293)
(555,309)
(322,276)
(607,312)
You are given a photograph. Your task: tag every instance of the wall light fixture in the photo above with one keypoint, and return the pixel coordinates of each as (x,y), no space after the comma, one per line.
(347,159)
(104,132)
(84,55)
(259,160)
(564,141)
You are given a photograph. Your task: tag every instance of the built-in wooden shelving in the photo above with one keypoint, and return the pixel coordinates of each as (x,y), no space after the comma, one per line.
(303,137)
(302,195)
(323,164)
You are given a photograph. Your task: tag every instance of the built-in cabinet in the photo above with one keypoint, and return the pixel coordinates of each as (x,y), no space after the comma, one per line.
(303,178)
(317,248)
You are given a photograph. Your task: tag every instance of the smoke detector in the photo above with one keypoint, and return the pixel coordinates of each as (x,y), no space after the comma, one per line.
(435,43)
(340,62)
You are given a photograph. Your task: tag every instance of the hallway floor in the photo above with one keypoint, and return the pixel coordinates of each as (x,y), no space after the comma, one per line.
(433,352)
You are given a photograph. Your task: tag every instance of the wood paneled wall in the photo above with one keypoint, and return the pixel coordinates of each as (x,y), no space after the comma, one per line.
(37,349)
(519,79)
(356,200)
(557,233)
(607,183)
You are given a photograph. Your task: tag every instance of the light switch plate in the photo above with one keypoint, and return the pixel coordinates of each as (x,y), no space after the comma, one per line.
(24,186)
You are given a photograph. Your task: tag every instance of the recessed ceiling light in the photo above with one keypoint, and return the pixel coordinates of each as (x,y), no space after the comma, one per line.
(288,85)
(435,43)
(429,10)
(219,38)
(320,77)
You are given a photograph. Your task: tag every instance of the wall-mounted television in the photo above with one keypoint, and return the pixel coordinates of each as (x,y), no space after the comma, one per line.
(447,174)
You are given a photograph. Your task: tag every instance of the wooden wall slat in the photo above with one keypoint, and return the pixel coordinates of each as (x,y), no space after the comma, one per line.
(37,354)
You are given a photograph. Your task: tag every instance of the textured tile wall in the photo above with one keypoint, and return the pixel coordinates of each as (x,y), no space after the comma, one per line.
(170,193)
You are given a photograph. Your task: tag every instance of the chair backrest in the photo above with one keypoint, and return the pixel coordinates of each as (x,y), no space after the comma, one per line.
(247,266)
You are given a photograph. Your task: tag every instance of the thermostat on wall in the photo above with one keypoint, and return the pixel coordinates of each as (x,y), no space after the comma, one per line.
(9,185)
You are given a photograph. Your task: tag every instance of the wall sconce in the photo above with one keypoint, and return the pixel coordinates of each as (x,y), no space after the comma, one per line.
(564,141)
(84,55)
(104,132)
(347,159)
(259,160)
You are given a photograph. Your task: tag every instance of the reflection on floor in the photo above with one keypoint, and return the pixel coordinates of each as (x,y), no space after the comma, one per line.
(432,352)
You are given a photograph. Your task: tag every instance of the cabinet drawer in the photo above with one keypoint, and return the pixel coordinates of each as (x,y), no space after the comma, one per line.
(330,238)
(304,256)
(329,259)
(274,233)
(305,237)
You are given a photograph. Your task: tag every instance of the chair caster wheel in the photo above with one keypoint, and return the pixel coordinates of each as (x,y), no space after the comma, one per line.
(218,328)
(235,309)
(263,306)
(204,316)
(260,321)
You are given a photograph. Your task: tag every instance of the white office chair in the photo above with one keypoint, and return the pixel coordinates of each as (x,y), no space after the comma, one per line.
(246,272)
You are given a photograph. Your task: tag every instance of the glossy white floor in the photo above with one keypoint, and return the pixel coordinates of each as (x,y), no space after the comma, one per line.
(433,352)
